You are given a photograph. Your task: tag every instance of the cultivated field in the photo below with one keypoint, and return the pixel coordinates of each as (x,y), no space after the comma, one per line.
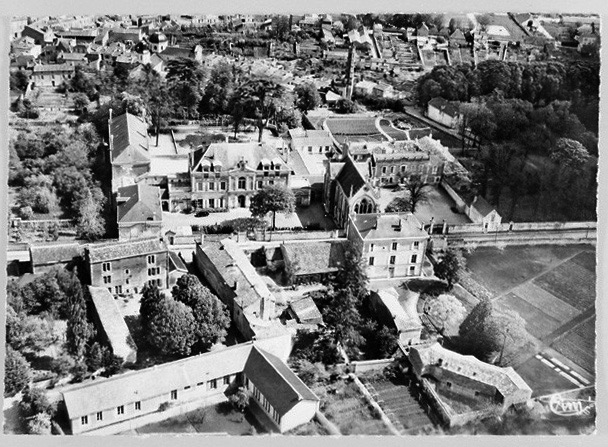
(553,289)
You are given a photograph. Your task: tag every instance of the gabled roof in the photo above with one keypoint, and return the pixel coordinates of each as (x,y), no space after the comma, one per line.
(112,322)
(56,253)
(124,249)
(142,203)
(314,257)
(53,68)
(505,380)
(457,34)
(130,144)
(176,263)
(482,206)
(448,107)
(279,385)
(306,310)
(350,178)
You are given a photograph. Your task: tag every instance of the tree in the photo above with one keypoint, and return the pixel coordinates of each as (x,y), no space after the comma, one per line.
(79,330)
(353,274)
(28,334)
(345,106)
(485,332)
(90,224)
(398,205)
(240,399)
(343,318)
(35,401)
(17,372)
(218,90)
(211,315)
(94,357)
(570,154)
(446,310)
(81,101)
(40,424)
(417,192)
(272,199)
(484,20)
(19,80)
(450,266)
(308,97)
(172,328)
(150,302)
(257,99)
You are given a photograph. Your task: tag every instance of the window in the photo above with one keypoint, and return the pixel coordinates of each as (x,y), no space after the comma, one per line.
(242,183)
(127,281)
(106,267)
(394,246)
(100,415)
(118,289)
(412,270)
(135,289)
(213,384)
(371,247)
(371,261)
(151,259)
(84,420)
(414,258)
(260,184)
(174,395)
(199,186)
(223,186)
(416,245)
(392,169)
(384,169)
(126,271)
(212,186)
(448,384)
(402,168)
(200,383)
(310,149)
(107,279)
(120,410)
(138,405)
(392,260)
(226,380)
(211,203)
(434,171)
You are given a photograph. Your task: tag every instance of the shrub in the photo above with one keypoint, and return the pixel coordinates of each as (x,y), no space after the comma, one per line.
(79,372)
(62,365)
(26,212)
(35,401)
(17,372)
(39,425)
(164,406)
(240,399)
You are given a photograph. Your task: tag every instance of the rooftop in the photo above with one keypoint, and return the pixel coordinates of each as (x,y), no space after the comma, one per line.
(139,203)
(314,257)
(229,155)
(129,142)
(306,310)
(55,253)
(505,380)
(112,321)
(389,226)
(107,251)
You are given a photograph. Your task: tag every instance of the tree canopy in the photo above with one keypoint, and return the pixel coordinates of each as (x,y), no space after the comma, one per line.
(17,372)
(446,310)
(450,266)
(272,199)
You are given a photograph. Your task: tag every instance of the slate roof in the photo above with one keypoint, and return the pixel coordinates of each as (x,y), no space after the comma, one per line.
(276,381)
(445,106)
(176,263)
(350,178)
(228,155)
(112,322)
(130,144)
(386,226)
(482,206)
(505,380)
(48,68)
(315,257)
(306,310)
(124,249)
(54,254)
(176,52)
(142,205)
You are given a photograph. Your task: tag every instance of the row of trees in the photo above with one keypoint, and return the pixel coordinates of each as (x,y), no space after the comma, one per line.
(56,168)
(189,321)
(189,91)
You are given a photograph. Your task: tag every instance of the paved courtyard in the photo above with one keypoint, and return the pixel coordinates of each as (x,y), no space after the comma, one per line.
(553,289)
(439,206)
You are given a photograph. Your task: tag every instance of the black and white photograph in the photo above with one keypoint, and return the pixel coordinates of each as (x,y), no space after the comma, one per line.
(315,224)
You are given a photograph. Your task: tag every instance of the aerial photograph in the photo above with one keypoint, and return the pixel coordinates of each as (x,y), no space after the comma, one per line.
(322,224)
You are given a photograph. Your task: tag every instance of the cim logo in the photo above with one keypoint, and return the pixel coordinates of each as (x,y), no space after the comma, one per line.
(561,406)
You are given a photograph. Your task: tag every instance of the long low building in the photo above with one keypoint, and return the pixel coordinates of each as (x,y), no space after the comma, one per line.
(273,387)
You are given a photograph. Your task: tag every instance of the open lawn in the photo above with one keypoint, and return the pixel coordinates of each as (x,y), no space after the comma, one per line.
(220,418)
(578,344)
(541,378)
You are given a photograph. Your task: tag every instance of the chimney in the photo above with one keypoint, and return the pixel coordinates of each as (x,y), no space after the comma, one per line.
(266,308)
(110,117)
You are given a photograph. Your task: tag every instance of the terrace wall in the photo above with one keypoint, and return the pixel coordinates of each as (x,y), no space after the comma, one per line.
(363,366)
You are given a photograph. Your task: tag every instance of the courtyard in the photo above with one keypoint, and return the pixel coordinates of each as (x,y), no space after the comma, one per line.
(552,287)
(217,419)
(438,206)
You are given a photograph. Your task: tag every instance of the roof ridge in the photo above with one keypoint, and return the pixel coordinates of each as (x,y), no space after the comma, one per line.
(264,354)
